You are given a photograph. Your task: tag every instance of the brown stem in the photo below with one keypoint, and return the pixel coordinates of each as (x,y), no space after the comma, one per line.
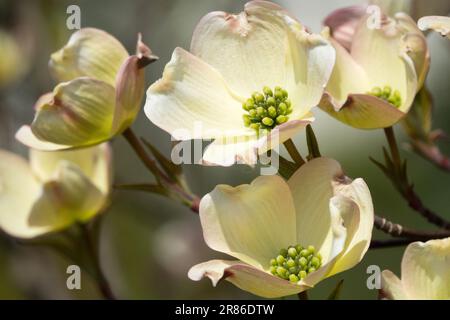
(380,244)
(416,204)
(293,152)
(187,198)
(398,231)
(390,137)
(406,189)
(102,282)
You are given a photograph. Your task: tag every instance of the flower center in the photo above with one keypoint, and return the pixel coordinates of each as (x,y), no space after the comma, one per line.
(387,94)
(268,109)
(295,262)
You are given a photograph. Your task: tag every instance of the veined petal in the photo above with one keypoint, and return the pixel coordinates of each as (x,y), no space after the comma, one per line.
(439,24)
(89,53)
(426,270)
(392,287)
(245,277)
(79,113)
(93,162)
(69,197)
(356,208)
(192,101)
(347,77)
(18,191)
(362,111)
(249,222)
(339,208)
(312,190)
(265,46)
(227,151)
(382,53)
(26,136)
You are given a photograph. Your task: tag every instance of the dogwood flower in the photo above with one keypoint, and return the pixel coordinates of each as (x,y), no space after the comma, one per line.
(249,80)
(53,190)
(437,23)
(287,236)
(376,78)
(425,273)
(98,96)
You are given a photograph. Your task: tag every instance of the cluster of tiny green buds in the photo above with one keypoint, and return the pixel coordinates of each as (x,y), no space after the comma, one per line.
(387,94)
(295,262)
(268,109)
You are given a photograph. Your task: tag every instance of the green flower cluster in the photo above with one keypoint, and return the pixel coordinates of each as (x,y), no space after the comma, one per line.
(295,263)
(268,109)
(387,94)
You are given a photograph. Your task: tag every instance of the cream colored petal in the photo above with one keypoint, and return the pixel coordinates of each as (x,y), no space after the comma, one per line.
(312,189)
(339,212)
(343,22)
(265,46)
(192,101)
(362,111)
(27,137)
(227,151)
(392,287)
(89,53)
(94,163)
(382,54)
(79,114)
(18,191)
(358,214)
(249,222)
(130,83)
(69,197)
(426,270)
(437,23)
(245,277)
(347,77)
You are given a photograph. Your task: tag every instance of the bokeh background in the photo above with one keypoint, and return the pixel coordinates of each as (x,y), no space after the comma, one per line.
(148,243)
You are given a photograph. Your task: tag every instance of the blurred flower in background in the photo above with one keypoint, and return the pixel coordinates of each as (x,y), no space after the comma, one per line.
(53,190)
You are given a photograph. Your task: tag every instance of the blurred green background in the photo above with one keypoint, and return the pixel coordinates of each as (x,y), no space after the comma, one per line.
(147,242)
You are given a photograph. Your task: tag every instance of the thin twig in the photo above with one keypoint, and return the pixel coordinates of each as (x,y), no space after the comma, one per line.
(389,243)
(102,282)
(189,199)
(398,231)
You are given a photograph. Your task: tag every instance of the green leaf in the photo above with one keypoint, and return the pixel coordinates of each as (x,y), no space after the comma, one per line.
(313,146)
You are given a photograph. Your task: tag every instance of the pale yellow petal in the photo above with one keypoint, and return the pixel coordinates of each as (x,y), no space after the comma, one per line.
(426,270)
(250,222)
(79,114)
(69,197)
(439,24)
(382,53)
(89,53)
(94,163)
(362,111)
(18,191)
(312,190)
(192,101)
(245,277)
(26,136)
(358,215)
(392,287)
